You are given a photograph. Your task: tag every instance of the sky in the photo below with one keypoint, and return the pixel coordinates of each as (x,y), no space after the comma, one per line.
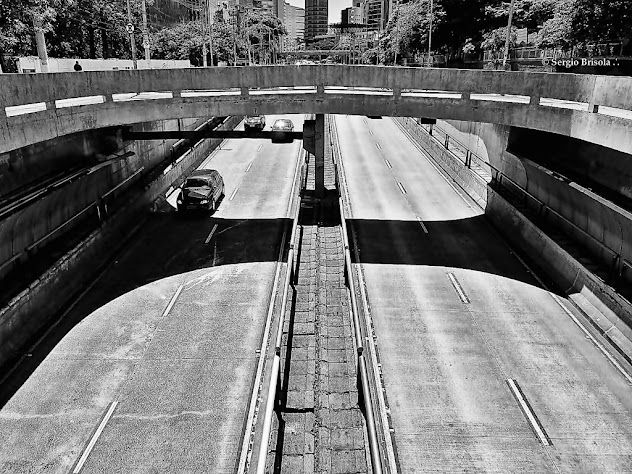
(335,6)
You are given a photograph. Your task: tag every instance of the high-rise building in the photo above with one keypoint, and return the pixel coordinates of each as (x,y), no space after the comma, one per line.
(351,15)
(293,18)
(375,15)
(315,19)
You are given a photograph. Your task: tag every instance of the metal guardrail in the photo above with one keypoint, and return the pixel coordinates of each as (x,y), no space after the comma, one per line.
(46,237)
(276,362)
(497,180)
(591,50)
(374,447)
(376,460)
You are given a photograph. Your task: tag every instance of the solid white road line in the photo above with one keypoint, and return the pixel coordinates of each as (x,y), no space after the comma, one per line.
(528,412)
(388,163)
(401,187)
(581,326)
(173,299)
(457,287)
(210,236)
(421,223)
(233,195)
(603,350)
(95,437)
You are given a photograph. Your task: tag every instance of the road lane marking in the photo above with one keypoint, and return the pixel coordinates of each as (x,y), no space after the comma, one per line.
(587,333)
(529,413)
(401,187)
(249,166)
(173,299)
(260,147)
(233,195)
(371,132)
(388,163)
(421,223)
(378,146)
(95,437)
(210,236)
(457,287)
(603,350)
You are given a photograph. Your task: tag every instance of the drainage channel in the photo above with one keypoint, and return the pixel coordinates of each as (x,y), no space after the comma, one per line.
(318,425)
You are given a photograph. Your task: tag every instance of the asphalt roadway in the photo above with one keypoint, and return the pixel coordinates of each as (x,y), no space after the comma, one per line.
(473,351)
(162,347)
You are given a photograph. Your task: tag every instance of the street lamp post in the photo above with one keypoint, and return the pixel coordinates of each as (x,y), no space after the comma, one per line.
(145,34)
(430,37)
(511,10)
(131,34)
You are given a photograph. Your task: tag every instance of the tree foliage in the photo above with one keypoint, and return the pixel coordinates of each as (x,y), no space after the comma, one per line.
(407,29)
(73,28)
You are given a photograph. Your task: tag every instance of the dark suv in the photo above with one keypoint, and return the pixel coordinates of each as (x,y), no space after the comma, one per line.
(203,189)
(255,121)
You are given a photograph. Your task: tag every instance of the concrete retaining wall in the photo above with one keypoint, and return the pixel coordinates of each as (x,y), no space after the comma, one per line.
(28,312)
(566,272)
(21,230)
(472,183)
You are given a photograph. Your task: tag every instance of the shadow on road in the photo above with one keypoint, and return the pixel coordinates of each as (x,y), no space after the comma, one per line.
(465,243)
(168,244)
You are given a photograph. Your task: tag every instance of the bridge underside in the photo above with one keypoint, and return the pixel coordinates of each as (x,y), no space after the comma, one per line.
(612,132)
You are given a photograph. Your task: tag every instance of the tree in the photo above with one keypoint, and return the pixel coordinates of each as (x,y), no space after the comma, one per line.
(576,22)
(16,25)
(496,40)
(73,28)
(180,41)
(262,30)
(407,29)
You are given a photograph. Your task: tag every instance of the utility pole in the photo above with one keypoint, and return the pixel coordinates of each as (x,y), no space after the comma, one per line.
(146,34)
(210,27)
(511,10)
(203,16)
(130,30)
(430,37)
(41,43)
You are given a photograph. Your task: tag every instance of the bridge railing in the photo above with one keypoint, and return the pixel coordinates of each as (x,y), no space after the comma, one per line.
(24,89)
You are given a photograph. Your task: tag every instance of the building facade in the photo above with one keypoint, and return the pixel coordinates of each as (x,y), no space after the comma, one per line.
(316,12)
(293,18)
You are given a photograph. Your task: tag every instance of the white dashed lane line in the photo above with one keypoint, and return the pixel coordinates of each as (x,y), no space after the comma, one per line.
(210,236)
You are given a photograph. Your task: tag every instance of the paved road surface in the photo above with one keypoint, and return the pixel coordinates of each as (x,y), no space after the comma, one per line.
(182,379)
(448,347)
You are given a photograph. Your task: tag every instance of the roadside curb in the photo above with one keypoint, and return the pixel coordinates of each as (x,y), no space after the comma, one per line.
(607,324)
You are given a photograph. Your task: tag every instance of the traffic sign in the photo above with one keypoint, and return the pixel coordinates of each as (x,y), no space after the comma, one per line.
(129,28)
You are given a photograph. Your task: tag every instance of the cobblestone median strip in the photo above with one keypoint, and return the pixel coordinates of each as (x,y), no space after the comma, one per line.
(320,426)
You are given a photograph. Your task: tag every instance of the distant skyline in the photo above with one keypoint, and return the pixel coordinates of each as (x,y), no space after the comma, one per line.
(333,13)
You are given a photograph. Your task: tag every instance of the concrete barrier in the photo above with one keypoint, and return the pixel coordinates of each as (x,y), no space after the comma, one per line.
(464,177)
(29,311)
(566,272)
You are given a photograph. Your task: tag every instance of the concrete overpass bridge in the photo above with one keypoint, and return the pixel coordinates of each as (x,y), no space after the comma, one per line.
(38,107)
